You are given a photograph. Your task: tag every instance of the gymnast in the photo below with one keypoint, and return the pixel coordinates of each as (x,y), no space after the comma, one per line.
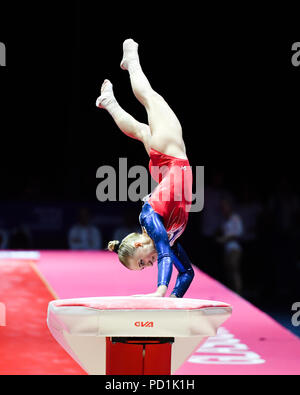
(165,211)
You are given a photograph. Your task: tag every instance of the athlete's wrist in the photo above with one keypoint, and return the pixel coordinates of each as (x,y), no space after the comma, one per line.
(161,290)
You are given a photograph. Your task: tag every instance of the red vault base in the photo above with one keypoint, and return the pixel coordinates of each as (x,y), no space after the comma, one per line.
(138,356)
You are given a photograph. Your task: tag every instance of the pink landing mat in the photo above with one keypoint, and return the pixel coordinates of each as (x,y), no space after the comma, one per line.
(249,342)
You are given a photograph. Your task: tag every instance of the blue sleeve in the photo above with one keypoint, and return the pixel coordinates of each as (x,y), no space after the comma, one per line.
(153,224)
(185,277)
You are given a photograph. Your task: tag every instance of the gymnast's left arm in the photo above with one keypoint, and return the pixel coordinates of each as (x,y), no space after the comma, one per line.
(153,224)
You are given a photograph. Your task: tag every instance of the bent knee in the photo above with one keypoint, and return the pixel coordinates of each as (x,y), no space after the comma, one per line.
(152,98)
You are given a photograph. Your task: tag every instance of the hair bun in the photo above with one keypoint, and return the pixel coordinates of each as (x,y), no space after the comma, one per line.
(113,246)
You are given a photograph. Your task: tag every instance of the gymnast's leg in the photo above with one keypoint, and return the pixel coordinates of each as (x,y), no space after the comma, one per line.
(166,131)
(128,125)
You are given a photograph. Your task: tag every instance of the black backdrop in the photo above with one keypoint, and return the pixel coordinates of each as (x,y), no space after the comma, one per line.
(229,79)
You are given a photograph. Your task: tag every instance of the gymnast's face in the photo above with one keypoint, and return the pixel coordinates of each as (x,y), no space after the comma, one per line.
(145,256)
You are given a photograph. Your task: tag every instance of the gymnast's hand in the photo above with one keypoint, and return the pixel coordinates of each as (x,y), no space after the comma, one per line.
(155,295)
(159,293)
(148,295)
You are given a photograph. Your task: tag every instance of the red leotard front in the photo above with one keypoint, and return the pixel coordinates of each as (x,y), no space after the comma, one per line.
(172,197)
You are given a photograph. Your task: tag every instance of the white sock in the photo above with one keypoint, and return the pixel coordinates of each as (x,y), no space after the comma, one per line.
(107,99)
(130,59)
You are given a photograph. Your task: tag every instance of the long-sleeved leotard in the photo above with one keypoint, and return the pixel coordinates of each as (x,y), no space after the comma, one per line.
(167,255)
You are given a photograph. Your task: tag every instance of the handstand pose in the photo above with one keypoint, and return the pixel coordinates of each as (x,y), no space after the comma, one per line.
(163,220)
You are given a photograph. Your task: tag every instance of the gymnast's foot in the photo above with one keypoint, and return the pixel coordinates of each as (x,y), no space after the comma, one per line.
(107,95)
(130,53)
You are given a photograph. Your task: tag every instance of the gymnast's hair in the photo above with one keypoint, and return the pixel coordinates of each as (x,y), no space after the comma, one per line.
(126,248)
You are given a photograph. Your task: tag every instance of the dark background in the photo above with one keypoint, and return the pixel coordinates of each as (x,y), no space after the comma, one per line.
(227,74)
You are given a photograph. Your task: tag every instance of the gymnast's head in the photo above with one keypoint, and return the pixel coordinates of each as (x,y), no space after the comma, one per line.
(136,251)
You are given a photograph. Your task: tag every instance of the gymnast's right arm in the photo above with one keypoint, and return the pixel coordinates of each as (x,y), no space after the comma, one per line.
(166,256)
(185,269)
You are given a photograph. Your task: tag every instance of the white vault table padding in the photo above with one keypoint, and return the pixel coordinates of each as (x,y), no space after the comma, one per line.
(81,325)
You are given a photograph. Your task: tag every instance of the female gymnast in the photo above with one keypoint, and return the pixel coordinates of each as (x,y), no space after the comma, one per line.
(164,214)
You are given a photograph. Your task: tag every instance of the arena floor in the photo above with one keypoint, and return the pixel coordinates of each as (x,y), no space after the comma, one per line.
(249,342)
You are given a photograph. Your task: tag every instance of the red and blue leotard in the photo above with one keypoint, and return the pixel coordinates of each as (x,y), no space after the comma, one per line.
(165,214)
(172,198)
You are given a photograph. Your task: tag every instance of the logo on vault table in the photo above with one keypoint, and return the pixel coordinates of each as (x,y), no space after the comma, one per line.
(148,324)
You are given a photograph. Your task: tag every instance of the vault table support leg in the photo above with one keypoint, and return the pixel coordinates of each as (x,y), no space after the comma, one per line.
(138,355)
